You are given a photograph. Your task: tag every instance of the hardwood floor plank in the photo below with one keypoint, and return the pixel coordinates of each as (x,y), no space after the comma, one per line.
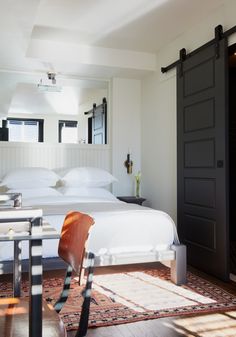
(124,330)
(14,319)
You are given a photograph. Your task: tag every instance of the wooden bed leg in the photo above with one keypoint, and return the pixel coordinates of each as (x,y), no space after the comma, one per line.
(179,265)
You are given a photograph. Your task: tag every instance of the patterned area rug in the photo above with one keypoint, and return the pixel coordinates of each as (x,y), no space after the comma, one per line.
(135,296)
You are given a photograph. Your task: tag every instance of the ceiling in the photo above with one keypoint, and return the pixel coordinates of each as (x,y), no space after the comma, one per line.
(85,39)
(141,25)
(93,37)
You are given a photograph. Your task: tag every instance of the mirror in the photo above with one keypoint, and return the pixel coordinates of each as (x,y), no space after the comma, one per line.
(65,106)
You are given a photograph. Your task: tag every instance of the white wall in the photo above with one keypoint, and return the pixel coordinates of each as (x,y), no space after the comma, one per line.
(125,132)
(158,115)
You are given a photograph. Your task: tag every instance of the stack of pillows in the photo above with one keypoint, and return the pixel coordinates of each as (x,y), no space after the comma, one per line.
(38,182)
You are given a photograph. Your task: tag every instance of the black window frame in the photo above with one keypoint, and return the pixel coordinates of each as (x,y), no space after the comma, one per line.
(41,125)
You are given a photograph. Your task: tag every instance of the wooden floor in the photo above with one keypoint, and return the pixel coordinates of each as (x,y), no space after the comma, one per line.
(210,325)
(14,311)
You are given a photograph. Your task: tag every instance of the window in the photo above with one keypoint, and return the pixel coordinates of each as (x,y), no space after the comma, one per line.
(25,130)
(68,132)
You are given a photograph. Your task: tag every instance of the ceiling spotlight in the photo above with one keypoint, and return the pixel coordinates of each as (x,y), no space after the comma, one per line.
(52,77)
(49,87)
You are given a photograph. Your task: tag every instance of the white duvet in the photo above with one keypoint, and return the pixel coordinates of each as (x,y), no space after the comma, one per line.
(119,227)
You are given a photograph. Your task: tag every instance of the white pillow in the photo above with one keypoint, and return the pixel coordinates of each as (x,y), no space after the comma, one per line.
(36,192)
(92,192)
(88,177)
(30,177)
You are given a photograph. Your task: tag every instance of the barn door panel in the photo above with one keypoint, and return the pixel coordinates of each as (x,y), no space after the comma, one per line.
(203,159)
(97,124)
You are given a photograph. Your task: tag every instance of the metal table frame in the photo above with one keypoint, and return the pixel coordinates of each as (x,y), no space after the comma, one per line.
(35,236)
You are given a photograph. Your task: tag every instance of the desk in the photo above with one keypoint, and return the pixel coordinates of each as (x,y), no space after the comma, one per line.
(30,220)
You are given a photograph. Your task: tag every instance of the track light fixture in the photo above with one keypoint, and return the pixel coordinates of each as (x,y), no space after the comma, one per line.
(52,77)
(49,87)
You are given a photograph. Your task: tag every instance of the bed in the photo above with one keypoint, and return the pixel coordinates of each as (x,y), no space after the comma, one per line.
(123,233)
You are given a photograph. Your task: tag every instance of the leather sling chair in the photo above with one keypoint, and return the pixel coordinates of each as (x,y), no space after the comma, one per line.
(72,249)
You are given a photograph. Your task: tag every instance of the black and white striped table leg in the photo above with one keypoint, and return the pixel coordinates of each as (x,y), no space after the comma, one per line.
(17,269)
(35,278)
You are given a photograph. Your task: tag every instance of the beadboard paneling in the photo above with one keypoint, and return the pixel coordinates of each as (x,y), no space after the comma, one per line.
(53,156)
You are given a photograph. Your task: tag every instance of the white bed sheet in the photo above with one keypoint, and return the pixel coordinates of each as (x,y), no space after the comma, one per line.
(119,227)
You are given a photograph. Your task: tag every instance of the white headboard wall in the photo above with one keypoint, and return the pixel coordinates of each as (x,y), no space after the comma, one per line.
(53,156)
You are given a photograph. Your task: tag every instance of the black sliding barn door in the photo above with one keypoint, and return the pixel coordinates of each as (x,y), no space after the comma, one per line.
(97,124)
(202,101)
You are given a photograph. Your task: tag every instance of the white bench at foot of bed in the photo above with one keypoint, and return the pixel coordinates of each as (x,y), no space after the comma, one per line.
(176,255)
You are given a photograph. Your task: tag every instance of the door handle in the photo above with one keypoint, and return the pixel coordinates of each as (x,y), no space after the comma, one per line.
(220,164)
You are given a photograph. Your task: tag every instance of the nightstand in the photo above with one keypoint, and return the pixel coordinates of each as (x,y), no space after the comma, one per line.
(132,200)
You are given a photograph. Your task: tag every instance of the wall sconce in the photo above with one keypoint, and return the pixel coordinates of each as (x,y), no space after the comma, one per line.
(128,164)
